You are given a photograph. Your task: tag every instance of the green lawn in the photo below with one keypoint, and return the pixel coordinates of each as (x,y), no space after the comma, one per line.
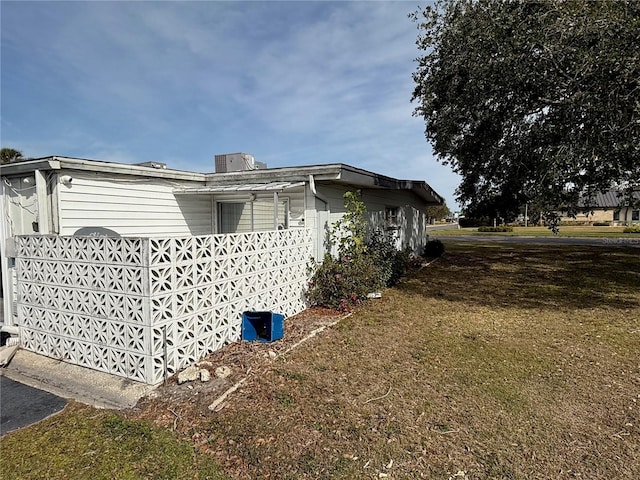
(86,443)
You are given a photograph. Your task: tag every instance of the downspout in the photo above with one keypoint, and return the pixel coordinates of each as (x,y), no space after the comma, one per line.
(312,184)
(275,210)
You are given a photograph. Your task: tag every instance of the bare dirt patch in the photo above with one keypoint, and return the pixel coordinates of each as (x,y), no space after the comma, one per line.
(177,405)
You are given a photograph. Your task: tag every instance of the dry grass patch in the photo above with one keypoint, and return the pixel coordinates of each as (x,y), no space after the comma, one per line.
(500,362)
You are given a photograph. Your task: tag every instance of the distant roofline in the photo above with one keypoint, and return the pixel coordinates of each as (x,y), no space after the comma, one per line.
(609,199)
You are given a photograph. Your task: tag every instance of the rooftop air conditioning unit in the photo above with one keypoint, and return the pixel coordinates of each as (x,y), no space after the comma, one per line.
(236,162)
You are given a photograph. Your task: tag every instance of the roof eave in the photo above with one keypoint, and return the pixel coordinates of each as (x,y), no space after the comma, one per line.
(66,163)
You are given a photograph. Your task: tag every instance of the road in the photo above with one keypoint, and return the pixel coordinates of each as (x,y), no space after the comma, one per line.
(583,241)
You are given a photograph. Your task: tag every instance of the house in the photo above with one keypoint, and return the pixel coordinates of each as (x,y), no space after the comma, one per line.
(138,270)
(609,208)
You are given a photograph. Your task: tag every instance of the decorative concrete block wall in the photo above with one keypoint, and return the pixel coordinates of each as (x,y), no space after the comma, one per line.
(119,304)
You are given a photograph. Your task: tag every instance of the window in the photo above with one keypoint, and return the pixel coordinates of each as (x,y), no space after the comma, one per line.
(616,216)
(256,216)
(391,216)
(234,217)
(635,215)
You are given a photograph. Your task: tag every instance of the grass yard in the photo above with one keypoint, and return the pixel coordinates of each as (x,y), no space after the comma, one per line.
(86,443)
(565,231)
(499,362)
(495,362)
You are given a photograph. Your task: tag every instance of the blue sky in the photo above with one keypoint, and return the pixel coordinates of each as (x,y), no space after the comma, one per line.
(293,83)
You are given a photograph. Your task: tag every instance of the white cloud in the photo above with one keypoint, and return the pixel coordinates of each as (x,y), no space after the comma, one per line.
(299,82)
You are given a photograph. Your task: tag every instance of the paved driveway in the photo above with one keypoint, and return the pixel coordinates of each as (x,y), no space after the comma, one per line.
(21,405)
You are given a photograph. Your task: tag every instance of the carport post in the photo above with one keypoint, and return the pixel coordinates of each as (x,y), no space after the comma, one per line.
(275,210)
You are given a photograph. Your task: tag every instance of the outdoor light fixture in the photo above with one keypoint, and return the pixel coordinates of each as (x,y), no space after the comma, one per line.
(66,180)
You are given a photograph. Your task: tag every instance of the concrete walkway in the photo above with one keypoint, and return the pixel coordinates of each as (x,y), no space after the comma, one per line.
(73,382)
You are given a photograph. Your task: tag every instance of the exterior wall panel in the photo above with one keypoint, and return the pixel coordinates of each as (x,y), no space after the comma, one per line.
(131,207)
(411,222)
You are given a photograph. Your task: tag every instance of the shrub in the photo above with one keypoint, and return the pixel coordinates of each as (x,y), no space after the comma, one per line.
(499,228)
(360,267)
(466,222)
(632,229)
(433,248)
(344,283)
(392,262)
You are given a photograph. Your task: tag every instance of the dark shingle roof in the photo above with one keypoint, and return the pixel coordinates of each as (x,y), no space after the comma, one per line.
(611,199)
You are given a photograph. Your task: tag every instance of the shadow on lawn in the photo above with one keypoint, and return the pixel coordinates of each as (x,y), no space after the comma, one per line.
(532,277)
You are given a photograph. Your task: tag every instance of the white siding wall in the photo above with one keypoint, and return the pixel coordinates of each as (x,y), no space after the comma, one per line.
(411,220)
(132,206)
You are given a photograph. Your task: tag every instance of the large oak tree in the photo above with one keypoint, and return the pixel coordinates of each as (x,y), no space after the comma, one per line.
(535,101)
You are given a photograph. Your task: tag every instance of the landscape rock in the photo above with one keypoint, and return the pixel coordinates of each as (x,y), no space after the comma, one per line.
(222,372)
(205,375)
(189,374)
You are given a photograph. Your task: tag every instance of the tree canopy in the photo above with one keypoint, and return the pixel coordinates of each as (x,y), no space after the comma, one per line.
(438,212)
(9,155)
(532,101)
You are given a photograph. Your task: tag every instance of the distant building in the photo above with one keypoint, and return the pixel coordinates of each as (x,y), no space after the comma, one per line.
(610,208)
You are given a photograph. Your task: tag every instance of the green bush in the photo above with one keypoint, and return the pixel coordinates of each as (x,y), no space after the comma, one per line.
(467,222)
(499,228)
(392,262)
(433,248)
(344,281)
(632,229)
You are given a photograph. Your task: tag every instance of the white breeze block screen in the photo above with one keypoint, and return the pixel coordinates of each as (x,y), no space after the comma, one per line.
(108,303)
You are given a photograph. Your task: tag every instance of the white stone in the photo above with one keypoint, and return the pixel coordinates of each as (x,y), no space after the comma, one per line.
(205,376)
(189,374)
(272,354)
(6,354)
(222,372)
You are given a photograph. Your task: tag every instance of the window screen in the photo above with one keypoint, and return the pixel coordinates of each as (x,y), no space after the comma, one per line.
(256,216)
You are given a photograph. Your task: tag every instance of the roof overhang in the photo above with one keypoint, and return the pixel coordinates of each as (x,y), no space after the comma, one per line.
(273,187)
(331,173)
(78,164)
(259,180)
